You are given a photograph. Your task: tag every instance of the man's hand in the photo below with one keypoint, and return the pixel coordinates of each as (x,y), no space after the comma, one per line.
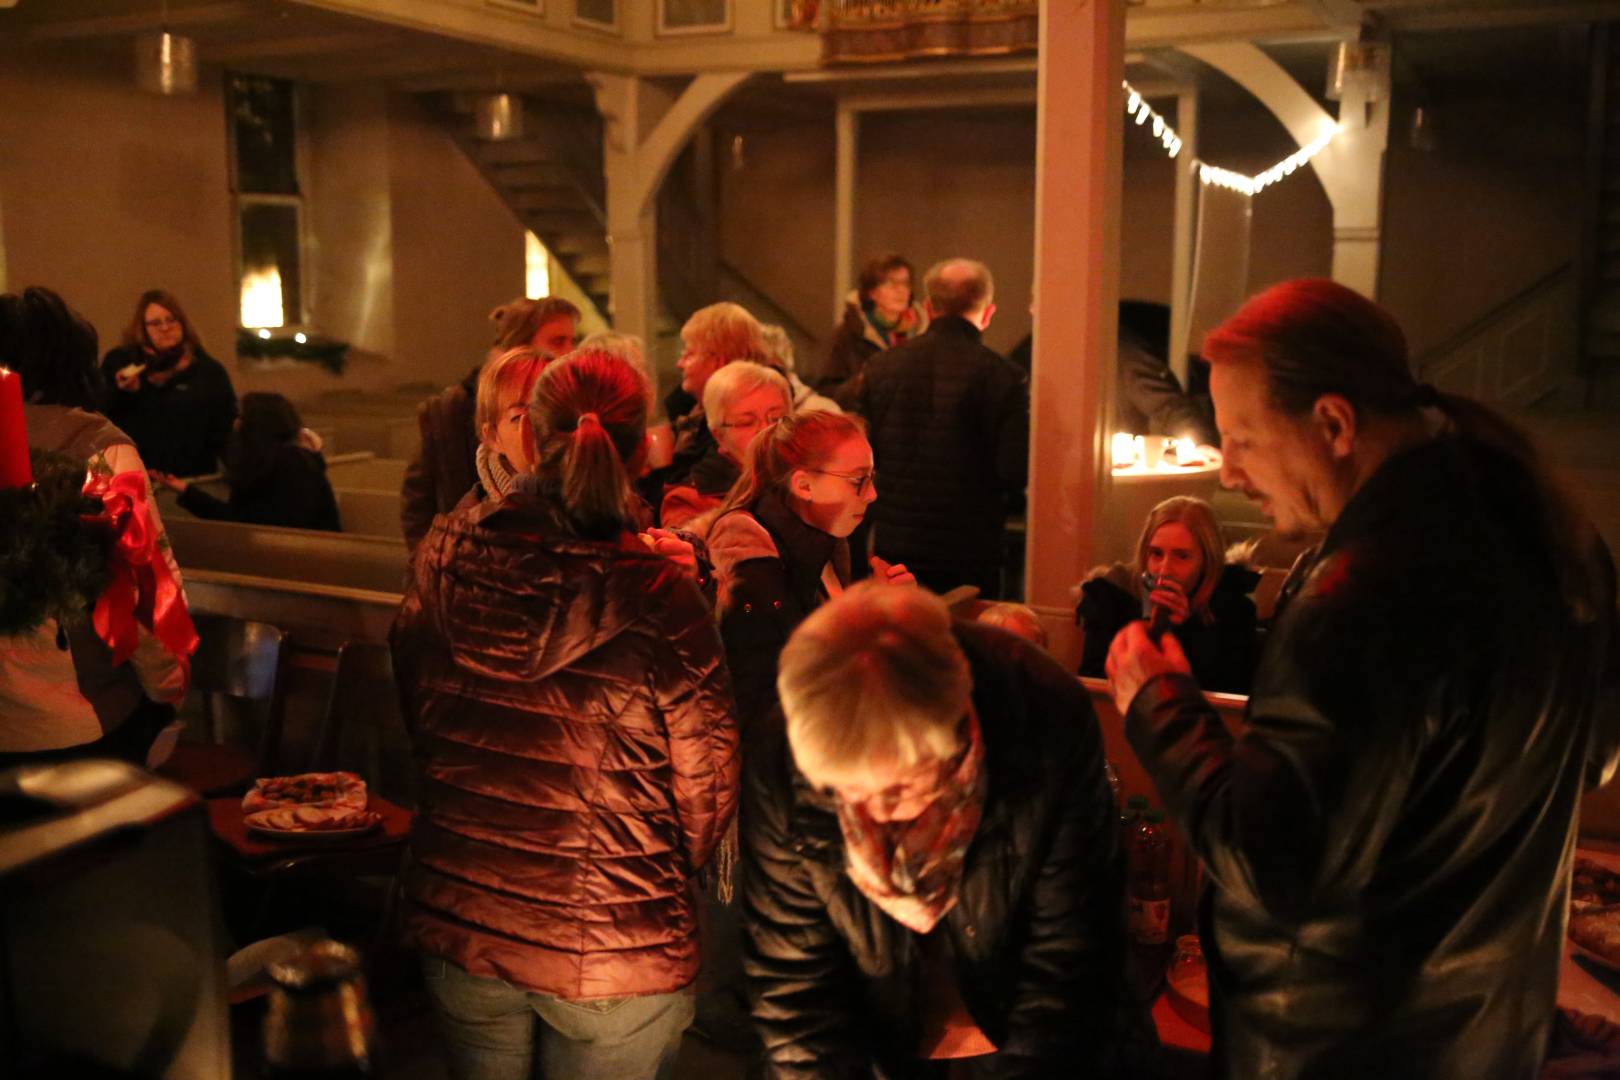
(1133,659)
(672,547)
(892,573)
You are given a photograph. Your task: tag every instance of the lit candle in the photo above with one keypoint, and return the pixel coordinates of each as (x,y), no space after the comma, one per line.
(14,469)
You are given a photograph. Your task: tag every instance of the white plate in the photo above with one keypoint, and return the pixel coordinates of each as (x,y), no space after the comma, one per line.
(312,835)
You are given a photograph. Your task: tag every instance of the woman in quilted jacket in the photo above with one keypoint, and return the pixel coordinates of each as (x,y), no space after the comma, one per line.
(571,714)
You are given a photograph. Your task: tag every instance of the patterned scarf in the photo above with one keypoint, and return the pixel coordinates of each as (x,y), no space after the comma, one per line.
(896,332)
(913,869)
(494,473)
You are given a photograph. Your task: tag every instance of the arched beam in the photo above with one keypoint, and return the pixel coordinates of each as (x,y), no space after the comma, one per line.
(1350,167)
(702,96)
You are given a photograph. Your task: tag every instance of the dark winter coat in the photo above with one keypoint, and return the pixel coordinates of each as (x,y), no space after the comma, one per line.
(294,493)
(1037,932)
(855,342)
(1389,843)
(949,426)
(768,563)
(1150,400)
(180,427)
(572,718)
(1223,651)
(444,468)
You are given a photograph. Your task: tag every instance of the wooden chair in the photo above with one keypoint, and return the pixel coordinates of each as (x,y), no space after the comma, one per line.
(236,676)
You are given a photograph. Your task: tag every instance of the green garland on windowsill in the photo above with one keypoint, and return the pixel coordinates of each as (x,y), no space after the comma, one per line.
(52,565)
(323,351)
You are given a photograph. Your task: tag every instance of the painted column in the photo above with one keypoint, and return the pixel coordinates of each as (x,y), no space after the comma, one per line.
(848,129)
(1181,244)
(1078,175)
(631,228)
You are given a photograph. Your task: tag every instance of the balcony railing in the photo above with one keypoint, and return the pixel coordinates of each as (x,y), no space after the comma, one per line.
(881,31)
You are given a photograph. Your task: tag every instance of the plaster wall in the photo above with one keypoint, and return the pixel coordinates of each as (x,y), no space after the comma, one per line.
(109,192)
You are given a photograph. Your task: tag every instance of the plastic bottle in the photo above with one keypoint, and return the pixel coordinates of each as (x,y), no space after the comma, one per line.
(1149,880)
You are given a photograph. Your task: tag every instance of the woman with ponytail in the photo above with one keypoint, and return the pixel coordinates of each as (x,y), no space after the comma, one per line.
(571,710)
(780,541)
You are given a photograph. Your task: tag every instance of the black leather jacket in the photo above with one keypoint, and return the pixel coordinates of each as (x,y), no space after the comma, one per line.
(1389,842)
(1037,933)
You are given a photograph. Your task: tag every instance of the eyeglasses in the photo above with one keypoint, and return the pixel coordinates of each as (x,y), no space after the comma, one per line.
(862,481)
(162,324)
(750,421)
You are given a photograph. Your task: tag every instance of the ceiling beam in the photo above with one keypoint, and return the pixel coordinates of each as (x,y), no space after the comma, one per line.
(179,18)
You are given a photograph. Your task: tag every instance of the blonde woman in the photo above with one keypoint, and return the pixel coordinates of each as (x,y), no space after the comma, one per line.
(1180,566)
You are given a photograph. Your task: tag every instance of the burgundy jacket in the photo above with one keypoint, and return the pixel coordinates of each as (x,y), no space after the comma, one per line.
(571,713)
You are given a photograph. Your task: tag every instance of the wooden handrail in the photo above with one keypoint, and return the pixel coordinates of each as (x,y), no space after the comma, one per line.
(1484,323)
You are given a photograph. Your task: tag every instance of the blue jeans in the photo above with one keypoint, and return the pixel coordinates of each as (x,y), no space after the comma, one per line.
(490,1031)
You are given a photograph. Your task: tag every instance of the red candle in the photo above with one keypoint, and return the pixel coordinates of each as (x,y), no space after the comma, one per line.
(14,469)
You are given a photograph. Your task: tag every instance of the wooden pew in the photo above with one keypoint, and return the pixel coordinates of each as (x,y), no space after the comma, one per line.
(344,560)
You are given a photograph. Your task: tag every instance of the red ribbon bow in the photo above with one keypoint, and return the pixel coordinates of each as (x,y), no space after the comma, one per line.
(141,590)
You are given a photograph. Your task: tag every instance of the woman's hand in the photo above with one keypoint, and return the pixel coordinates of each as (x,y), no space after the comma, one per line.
(1169,595)
(892,573)
(169,480)
(672,547)
(128,377)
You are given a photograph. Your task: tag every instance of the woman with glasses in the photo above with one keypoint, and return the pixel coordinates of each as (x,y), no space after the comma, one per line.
(934,882)
(740,400)
(166,392)
(779,542)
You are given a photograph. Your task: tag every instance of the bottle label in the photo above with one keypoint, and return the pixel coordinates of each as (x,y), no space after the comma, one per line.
(1149,921)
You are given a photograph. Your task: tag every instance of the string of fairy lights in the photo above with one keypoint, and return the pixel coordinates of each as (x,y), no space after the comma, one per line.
(1145,115)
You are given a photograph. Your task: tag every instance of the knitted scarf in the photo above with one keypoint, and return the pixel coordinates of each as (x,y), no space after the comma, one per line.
(912,870)
(494,473)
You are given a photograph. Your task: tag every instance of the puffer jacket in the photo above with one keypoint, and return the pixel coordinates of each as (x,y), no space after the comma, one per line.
(1037,932)
(571,715)
(950,434)
(1222,651)
(1389,842)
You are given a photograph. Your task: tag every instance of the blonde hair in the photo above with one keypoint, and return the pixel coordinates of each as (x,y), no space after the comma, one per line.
(874,677)
(508,376)
(778,346)
(737,380)
(1017,619)
(725,331)
(1198,517)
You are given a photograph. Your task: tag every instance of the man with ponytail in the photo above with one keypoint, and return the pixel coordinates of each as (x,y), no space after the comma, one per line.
(571,712)
(1388,844)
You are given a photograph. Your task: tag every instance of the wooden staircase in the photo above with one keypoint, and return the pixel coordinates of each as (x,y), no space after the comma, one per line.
(552,179)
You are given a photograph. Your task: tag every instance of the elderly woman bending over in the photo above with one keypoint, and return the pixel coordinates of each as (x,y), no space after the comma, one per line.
(931,865)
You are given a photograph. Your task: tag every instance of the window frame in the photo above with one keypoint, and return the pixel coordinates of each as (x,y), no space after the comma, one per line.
(240,201)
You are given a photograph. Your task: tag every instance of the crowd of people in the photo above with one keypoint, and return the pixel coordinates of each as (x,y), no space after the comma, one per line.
(691,697)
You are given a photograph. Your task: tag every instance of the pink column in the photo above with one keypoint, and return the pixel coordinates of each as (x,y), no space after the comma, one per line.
(1078,173)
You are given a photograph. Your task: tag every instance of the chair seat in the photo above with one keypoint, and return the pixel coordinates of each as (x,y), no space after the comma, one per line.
(262,853)
(210,769)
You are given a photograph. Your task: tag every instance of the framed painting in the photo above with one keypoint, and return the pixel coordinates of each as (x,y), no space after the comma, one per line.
(694,17)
